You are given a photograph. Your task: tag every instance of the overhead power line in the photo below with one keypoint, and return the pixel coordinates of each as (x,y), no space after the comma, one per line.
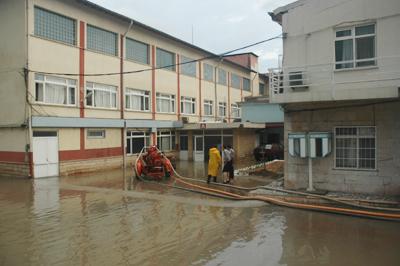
(163,67)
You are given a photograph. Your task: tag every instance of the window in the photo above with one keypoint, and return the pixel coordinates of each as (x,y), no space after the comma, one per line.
(183,142)
(137,51)
(355,47)
(221,77)
(208,72)
(165,103)
(165,59)
(102,41)
(188,68)
(55,90)
(208,107)
(355,147)
(136,140)
(54,26)
(166,140)
(235,110)
(261,88)
(96,134)
(222,109)
(188,105)
(246,84)
(100,95)
(137,100)
(235,81)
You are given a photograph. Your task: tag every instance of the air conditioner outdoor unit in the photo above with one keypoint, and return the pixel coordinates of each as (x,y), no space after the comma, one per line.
(296,80)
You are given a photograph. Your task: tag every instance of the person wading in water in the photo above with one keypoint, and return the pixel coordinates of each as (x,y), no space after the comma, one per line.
(214,164)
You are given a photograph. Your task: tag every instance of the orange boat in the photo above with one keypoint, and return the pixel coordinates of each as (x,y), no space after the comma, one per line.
(153,165)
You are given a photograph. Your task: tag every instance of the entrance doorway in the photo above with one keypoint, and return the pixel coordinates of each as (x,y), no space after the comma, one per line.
(45,154)
(198,151)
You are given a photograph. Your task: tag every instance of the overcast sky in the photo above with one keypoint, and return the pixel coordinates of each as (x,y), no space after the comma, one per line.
(219,25)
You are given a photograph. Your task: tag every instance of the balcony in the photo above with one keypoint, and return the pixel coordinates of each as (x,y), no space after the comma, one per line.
(322,82)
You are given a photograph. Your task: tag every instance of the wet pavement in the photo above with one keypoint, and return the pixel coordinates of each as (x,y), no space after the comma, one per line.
(112,219)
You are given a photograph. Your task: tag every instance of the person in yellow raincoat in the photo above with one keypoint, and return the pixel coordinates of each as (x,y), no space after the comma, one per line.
(214,164)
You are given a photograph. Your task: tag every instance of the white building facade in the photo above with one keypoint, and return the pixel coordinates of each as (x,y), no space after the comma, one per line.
(339,86)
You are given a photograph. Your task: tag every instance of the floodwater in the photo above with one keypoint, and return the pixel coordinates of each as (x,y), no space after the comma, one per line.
(109,219)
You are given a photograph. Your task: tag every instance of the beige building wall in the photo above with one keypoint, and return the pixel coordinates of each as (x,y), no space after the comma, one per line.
(111,140)
(12,62)
(69,139)
(13,139)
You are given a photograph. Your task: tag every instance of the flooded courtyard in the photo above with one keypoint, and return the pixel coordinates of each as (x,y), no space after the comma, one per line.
(112,219)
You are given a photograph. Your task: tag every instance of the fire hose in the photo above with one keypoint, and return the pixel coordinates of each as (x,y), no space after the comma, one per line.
(361,211)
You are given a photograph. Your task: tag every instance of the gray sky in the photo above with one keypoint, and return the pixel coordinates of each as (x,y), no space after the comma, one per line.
(219,25)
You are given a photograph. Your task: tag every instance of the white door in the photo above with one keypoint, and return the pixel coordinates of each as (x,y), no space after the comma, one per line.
(198,151)
(45,156)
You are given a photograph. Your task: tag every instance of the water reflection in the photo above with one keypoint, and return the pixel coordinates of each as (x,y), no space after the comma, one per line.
(45,222)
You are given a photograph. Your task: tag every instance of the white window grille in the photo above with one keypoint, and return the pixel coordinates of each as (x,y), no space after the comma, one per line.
(101,40)
(55,90)
(166,140)
(137,100)
(188,105)
(222,109)
(208,107)
(137,51)
(165,103)
(235,109)
(189,69)
(100,95)
(136,140)
(355,47)
(53,26)
(355,147)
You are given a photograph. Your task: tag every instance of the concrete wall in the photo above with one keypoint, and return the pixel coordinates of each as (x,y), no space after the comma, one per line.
(310,47)
(385,180)
(12,62)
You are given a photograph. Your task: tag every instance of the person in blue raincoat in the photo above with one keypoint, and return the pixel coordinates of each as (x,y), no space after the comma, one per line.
(214,164)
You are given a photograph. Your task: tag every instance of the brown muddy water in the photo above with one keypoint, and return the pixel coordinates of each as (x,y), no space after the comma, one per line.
(109,219)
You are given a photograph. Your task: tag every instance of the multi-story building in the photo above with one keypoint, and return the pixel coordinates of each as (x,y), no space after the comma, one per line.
(339,86)
(81,86)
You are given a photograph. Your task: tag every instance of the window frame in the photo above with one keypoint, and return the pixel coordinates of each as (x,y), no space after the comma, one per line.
(75,42)
(127,39)
(166,133)
(191,101)
(235,107)
(129,136)
(224,83)
(67,84)
(143,94)
(172,67)
(116,53)
(170,98)
(223,106)
(353,37)
(102,131)
(186,67)
(243,82)
(236,78)
(210,67)
(357,137)
(210,104)
(93,89)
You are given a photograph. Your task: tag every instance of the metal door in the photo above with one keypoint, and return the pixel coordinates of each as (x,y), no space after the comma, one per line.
(198,151)
(45,156)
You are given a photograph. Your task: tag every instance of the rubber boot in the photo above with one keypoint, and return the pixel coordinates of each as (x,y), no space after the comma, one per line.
(208,179)
(215,179)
